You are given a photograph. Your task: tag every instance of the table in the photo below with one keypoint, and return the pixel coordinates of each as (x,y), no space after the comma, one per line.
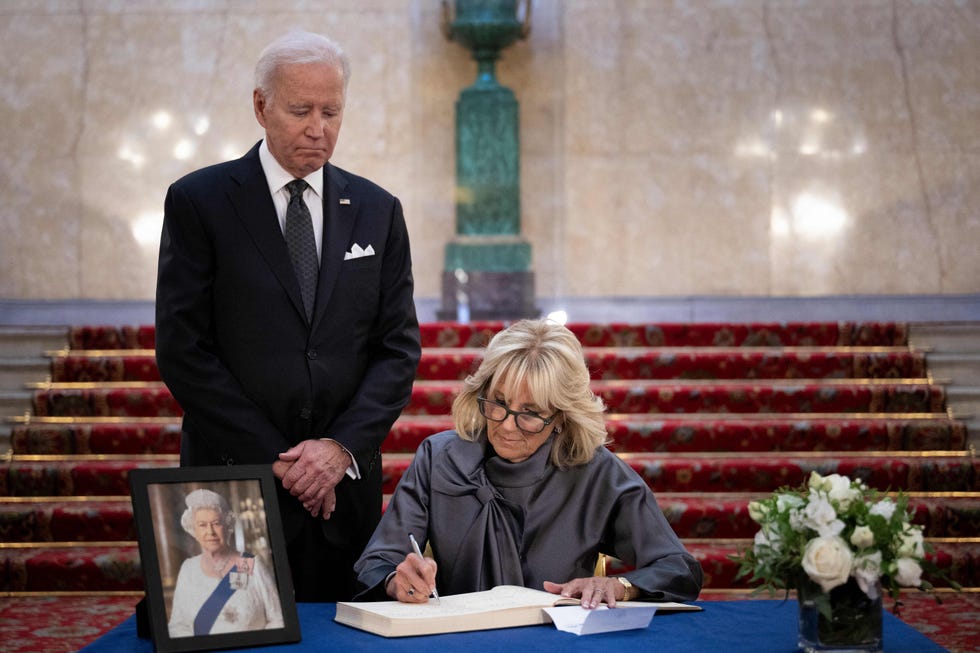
(750,626)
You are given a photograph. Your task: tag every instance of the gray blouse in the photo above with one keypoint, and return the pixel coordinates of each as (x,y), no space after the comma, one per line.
(492,522)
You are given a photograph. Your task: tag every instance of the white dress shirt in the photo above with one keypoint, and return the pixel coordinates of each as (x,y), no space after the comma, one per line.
(278,177)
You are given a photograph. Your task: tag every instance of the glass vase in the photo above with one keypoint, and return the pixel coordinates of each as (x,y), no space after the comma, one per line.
(844,619)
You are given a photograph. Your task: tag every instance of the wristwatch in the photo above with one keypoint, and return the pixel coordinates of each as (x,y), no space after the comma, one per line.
(628,586)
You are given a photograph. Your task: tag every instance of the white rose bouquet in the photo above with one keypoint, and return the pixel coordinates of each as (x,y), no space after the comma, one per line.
(833,529)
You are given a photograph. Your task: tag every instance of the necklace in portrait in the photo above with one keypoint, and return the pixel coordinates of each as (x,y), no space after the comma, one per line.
(218,566)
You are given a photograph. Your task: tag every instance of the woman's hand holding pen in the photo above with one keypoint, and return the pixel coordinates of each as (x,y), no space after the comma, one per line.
(414,579)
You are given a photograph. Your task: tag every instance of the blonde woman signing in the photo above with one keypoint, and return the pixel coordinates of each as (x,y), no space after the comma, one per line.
(524,492)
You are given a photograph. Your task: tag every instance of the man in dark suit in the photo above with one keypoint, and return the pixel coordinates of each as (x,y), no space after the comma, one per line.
(305,372)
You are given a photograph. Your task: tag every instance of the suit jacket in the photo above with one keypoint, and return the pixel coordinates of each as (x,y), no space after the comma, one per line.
(235,348)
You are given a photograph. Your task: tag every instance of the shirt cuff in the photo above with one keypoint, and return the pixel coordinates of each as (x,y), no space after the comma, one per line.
(352,471)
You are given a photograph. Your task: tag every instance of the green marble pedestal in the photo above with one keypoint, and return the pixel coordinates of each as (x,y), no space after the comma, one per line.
(487,272)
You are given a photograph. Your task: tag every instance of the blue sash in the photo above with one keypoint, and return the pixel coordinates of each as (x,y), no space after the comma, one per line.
(209,612)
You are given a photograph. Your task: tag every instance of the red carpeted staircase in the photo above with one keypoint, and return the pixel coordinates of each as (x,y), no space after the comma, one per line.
(711,415)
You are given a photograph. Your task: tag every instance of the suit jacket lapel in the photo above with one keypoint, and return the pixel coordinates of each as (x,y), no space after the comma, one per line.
(338,225)
(253,203)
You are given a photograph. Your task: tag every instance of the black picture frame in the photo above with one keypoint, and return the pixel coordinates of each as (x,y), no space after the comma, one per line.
(158,497)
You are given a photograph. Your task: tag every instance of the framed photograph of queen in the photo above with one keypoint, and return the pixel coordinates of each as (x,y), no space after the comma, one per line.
(213,558)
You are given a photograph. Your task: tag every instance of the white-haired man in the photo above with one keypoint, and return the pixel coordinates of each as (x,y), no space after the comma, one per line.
(286,326)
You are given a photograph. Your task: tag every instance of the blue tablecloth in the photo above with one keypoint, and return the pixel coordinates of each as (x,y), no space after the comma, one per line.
(749,626)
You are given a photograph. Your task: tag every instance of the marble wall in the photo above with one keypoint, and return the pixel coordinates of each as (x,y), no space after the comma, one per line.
(669,148)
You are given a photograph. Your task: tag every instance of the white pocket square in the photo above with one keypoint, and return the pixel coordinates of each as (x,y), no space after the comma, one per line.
(357,252)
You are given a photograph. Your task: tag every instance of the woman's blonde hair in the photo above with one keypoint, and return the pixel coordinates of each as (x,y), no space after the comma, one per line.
(547,359)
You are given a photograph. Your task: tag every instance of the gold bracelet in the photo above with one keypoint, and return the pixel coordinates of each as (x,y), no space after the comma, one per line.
(628,586)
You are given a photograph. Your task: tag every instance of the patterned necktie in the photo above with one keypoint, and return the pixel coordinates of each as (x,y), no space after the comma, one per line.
(302,244)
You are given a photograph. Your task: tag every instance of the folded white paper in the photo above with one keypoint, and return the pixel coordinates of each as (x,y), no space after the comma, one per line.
(578,620)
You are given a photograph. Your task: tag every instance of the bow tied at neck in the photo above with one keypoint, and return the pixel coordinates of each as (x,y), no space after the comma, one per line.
(492,544)
(485,494)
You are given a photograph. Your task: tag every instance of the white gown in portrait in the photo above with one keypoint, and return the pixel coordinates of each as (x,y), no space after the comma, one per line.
(253,603)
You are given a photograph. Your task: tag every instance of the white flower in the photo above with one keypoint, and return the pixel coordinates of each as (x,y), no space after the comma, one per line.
(866,570)
(910,543)
(835,527)
(885,508)
(862,537)
(797,520)
(820,515)
(819,510)
(838,488)
(786,502)
(758,511)
(827,561)
(909,572)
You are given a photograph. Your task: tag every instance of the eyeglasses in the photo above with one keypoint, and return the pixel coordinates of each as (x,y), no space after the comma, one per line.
(527,422)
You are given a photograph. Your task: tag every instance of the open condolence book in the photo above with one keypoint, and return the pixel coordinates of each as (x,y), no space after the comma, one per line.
(504,606)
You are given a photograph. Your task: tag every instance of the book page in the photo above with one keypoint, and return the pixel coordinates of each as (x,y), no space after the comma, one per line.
(503,597)
(505,606)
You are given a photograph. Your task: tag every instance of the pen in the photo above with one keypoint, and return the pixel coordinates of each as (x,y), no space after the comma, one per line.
(418,552)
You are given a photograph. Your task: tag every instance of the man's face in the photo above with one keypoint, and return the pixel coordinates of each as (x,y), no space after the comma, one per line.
(302,118)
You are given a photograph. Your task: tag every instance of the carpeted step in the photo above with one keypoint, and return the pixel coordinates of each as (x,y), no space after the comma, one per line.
(76,436)
(952,515)
(116,567)
(700,432)
(618,334)
(959,559)
(96,366)
(692,515)
(66,519)
(64,476)
(750,363)
(941,514)
(768,471)
(89,567)
(770,397)
(435,397)
(105,400)
(99,336)
(622,334)
(752,334)
(765,472)
(671,472)
(605,362)
(773,396)
(725,515)
(740,432)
